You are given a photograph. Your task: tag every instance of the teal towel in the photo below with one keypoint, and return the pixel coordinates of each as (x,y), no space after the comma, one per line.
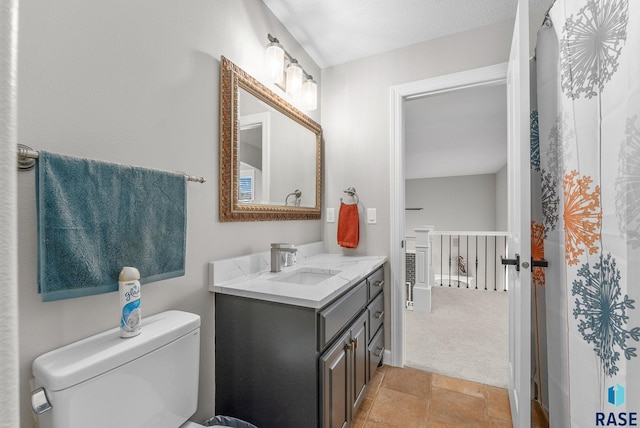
(96,217)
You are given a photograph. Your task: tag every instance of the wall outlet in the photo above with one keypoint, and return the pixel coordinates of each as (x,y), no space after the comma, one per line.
(331,215)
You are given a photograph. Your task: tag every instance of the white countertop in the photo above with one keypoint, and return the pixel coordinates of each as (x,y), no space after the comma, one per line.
(261,284)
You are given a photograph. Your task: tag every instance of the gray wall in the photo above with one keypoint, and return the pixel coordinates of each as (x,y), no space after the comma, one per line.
(137,82)
(465,203)
(355,118)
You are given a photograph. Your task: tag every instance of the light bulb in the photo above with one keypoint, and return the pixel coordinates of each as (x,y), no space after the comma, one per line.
(294,80)
(275,62)
(309,94)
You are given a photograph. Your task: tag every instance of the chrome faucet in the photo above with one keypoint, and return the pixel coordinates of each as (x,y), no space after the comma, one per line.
(276,250)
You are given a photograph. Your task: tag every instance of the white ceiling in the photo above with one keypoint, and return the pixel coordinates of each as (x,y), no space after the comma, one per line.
(456,133)
(337,31)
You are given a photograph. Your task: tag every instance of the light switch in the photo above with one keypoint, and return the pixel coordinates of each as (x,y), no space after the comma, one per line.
(371,215)
(331,215)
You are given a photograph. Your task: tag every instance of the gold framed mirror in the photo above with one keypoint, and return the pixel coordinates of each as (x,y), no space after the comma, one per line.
(270,153)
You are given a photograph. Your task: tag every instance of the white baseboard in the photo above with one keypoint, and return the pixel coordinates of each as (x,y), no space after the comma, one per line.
(386,357)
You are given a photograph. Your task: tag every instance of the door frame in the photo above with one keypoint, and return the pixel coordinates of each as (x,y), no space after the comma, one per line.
(484,76)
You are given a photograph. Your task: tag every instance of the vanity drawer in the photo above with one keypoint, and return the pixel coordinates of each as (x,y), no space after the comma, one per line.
(376,283)
(376,314)
(335,317)
(376,349)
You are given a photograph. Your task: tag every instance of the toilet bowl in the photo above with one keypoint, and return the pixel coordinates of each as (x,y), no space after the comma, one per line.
(147,380)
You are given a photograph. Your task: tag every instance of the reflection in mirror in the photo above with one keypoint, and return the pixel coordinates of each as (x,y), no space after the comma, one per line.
(253,143)
(277,149)
(269,153)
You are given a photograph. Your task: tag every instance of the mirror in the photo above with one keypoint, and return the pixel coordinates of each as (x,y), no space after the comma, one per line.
(270,153)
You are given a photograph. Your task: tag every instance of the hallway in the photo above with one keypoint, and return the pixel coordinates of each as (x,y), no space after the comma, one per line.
(406,397)
(466,335)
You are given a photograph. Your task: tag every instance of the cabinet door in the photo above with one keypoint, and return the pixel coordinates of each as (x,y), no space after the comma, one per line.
(358,335)
(335,371)
(376,283)
(376,349)
(376,314)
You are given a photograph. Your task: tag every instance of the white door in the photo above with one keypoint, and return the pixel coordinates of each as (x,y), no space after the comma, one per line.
(519,215)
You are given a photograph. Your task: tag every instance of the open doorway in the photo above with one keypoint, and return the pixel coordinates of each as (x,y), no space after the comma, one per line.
(486,76)
(456,183)
(519,310)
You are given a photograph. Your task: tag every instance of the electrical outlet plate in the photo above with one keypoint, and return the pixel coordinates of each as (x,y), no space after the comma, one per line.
(331,215)
(371,215)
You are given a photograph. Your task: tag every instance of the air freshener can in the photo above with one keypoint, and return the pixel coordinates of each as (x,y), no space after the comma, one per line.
(129,291)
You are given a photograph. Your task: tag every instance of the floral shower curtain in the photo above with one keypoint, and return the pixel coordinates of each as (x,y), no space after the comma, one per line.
(588,96)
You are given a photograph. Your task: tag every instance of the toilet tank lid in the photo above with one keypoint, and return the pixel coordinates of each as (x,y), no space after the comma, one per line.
(79,361)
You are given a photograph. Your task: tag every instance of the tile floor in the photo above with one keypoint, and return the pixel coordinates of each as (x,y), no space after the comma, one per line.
(406,398)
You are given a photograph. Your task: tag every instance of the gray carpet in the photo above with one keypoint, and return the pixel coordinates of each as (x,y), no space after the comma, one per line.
(466,336)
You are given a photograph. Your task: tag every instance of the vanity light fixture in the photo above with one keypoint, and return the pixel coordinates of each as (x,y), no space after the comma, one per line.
(285,71)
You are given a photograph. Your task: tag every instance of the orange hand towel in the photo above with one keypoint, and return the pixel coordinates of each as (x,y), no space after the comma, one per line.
(348,226)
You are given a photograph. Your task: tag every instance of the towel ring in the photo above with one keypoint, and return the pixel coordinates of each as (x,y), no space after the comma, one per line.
(352,192)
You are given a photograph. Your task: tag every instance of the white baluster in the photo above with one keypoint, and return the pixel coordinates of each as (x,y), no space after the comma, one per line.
(424,272)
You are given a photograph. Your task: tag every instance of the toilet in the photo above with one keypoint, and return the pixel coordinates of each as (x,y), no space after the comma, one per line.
(105,381)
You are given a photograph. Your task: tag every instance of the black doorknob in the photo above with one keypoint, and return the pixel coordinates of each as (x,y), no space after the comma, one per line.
(512,262)
(539,263)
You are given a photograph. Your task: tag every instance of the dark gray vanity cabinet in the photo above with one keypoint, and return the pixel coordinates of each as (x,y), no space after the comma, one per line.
(375,312)
(344,375)
(343,370)
(280,365)
(343,367)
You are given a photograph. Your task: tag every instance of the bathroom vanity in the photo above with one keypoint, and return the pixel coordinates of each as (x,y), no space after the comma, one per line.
(298,348)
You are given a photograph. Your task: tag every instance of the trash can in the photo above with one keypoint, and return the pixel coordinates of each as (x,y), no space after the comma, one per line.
(227,421)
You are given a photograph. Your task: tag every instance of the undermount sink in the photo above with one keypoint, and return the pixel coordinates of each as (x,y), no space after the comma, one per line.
(306,276)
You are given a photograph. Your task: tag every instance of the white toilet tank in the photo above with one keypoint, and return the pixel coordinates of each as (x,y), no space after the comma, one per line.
(105,381)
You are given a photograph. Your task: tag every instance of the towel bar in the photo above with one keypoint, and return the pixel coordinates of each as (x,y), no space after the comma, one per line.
(27,160)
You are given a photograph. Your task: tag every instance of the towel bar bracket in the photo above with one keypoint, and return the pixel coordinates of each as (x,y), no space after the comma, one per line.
(26,157)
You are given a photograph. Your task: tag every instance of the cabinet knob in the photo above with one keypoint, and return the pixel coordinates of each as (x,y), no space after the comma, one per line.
(379,315)
(378,283)
(380,351)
